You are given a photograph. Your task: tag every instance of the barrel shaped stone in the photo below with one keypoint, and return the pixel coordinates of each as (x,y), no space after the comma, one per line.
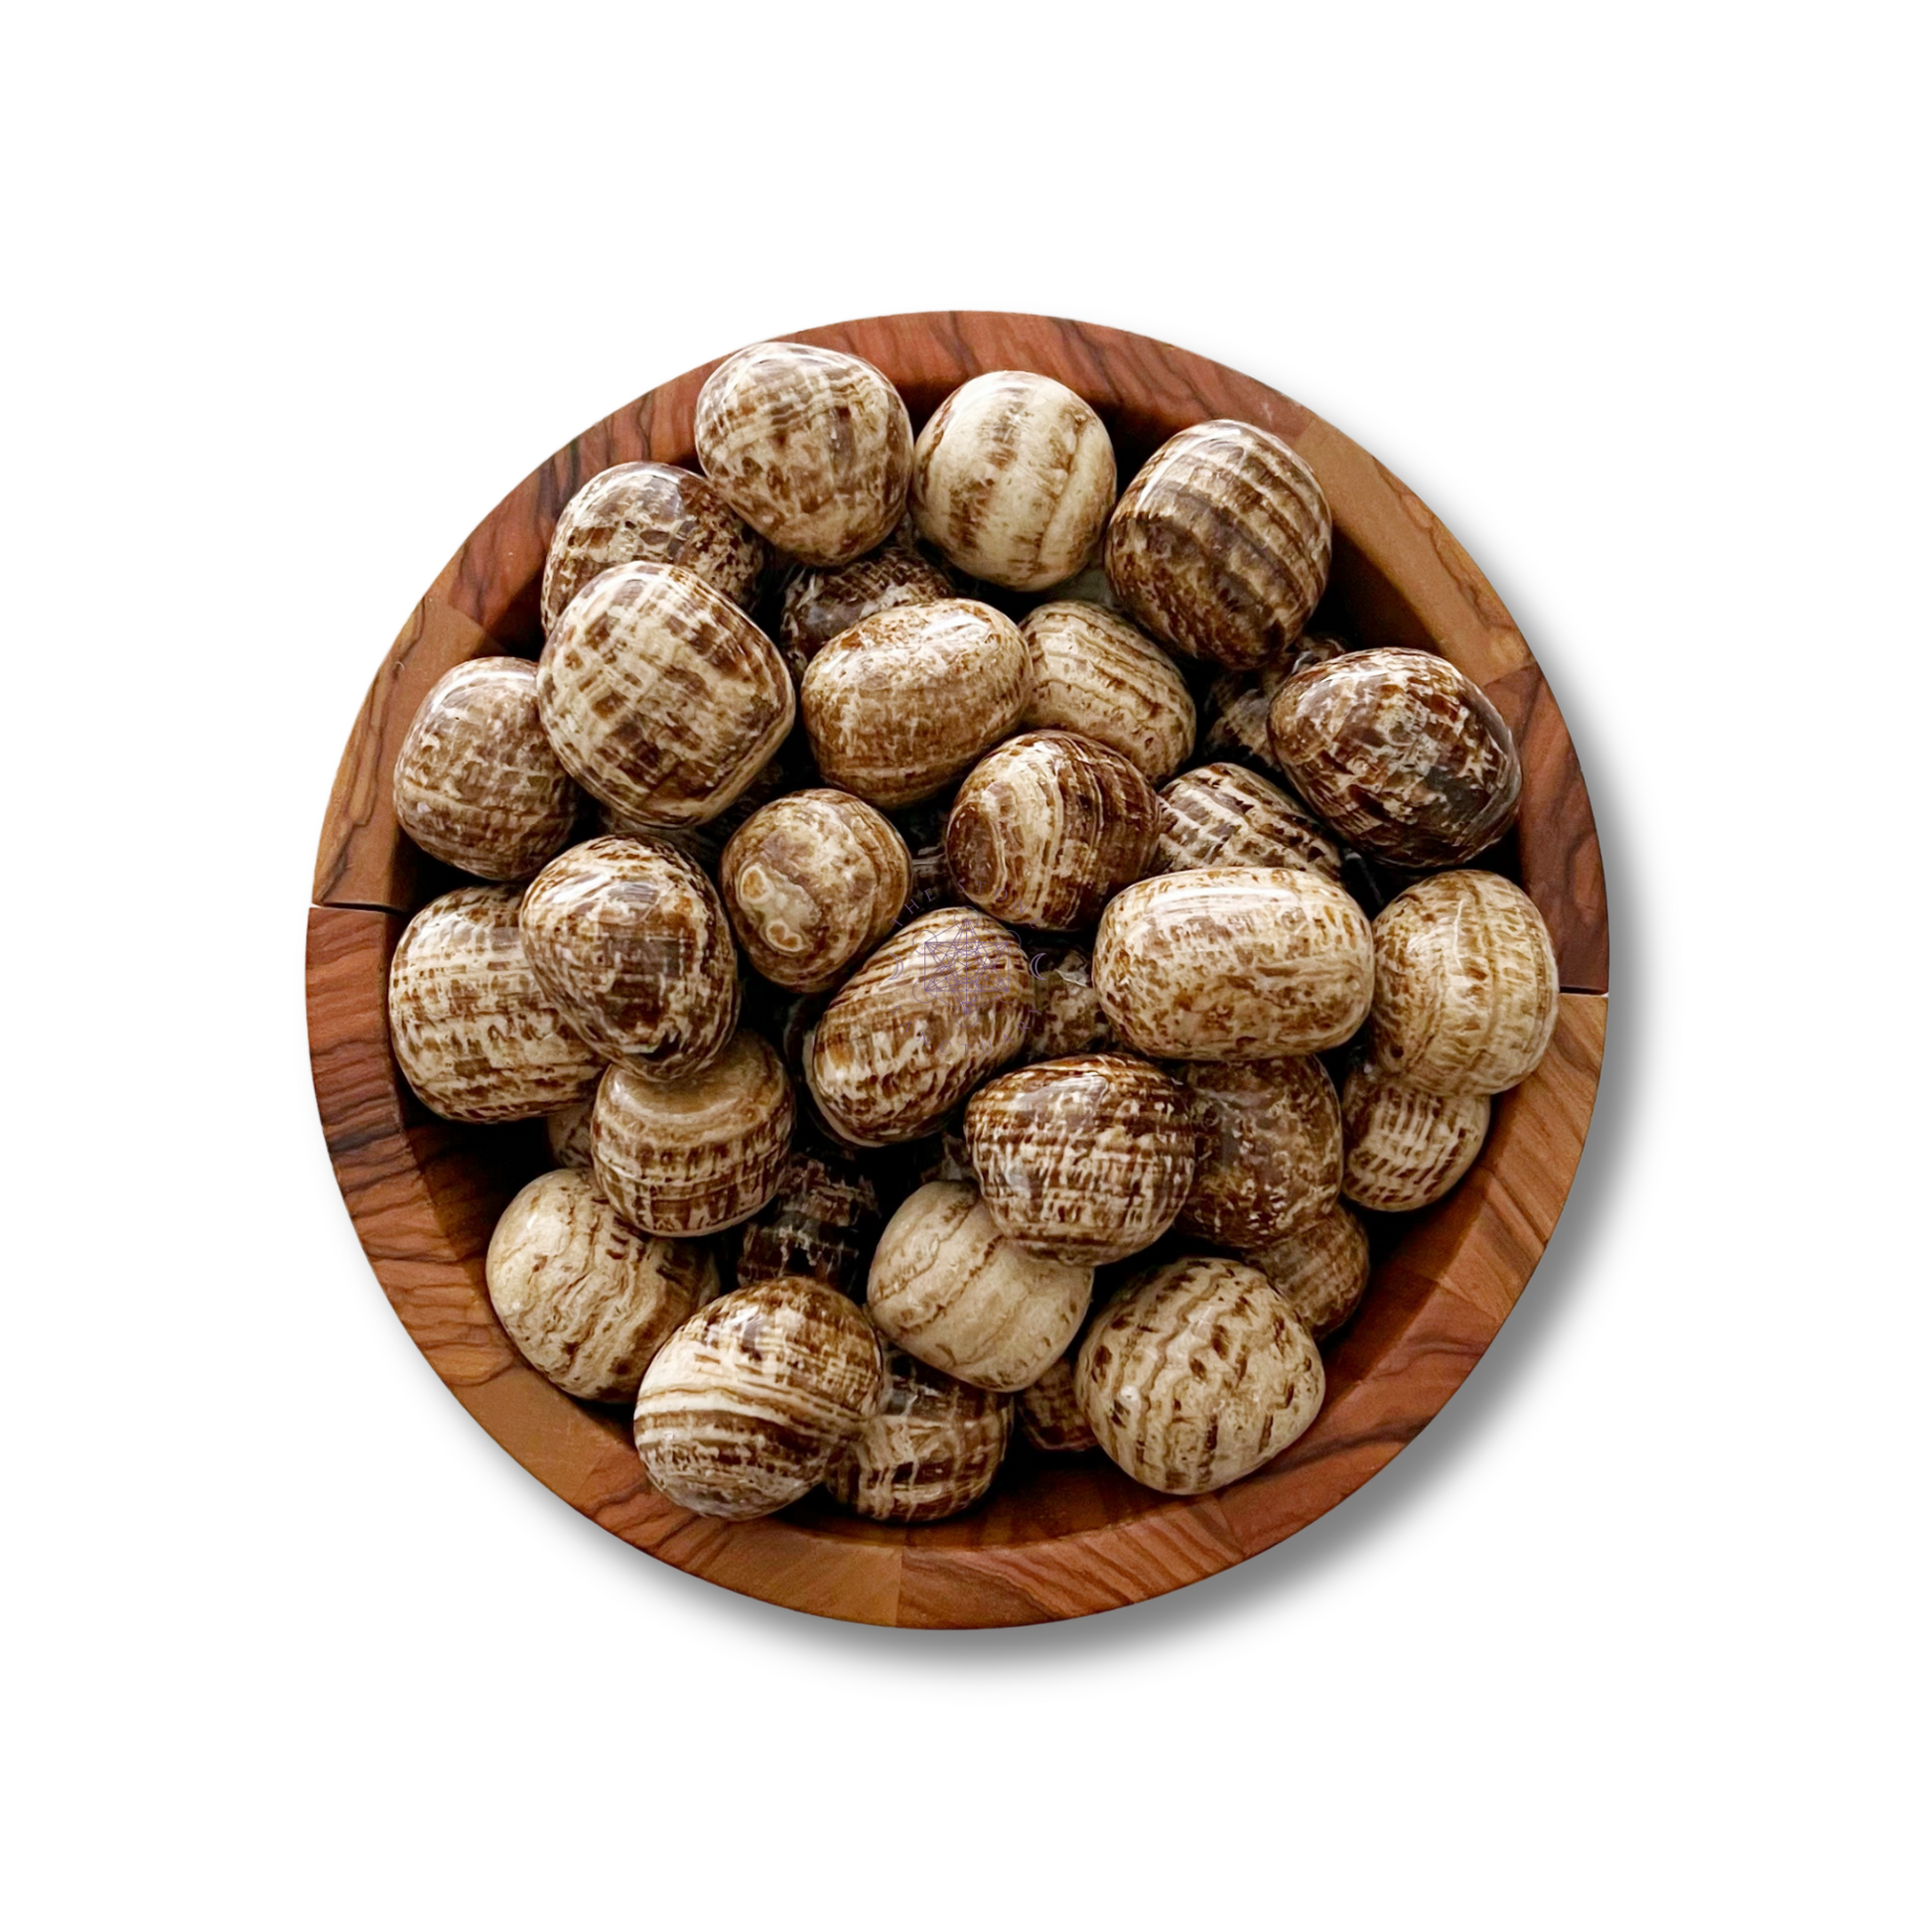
(1233,963)
(650,513)
(907,699)
(950,1289)
(689,1156)
(1404,1148)
(1319,1269)
(1401,754)
(1013,477)
(662,699)
(475,1036)
(1085,1159)
(1047,827)
(932,1450)
(1220,547)
(812,448)
(1050,1412)
(749,1404)
(586,1300)
(1271,1149)
(822,1223)
(1467,991)
(1196,1374)
(476,783)
(1239,701)
(1226,815)
(1095,674)
(820,603)
(940,1006)
(630,939)
(813,880)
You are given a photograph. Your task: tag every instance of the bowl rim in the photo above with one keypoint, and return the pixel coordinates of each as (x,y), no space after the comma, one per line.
(423,1194)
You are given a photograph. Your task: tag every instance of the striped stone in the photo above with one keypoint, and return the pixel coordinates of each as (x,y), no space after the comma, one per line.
(650,513)
(588,1300)
(1220,547)
(1067,1017)
(1013,477)
(1466,989)
(1319,1269)
(948,1288)
(1271,1149)
(1239,702)
(1050,1412)
(475,1036)
(1196,1374)
(662,698)
(749,1404)
(568,1132)
(820,603)
(822,1223)
(1084,1160)
(1404,1148)
(476,783)
(692,1155)
(1095,674)
(932,1450)
(1233,963)
(631,940)
(811,448)
(1226,815)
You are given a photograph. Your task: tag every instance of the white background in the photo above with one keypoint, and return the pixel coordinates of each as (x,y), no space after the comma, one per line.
(1634,1633)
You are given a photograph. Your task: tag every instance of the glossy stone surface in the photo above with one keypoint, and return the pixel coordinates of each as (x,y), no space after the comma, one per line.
(1234,963)
(822,1222)
(1195,1374)
(1047,828)
(662,698)
(630,939)
(940,1006)
(1238,701)
(750,1403)
(1226,815)
(1013,477)
(820,603)
(1220,547)
(1404,1148)
(1095,674)
(1050,1412)
(568,1133)
(948,1288)
(476,783)
(1319,1269)
(475,1036)
(812,448)
(930,1451)
(905,701)
(692,1155)
(586,1300)
(1465,984)
(1067,1017)
(812,882)
(1271,1149)
(650,513)
(1401,754)
(1084,1160)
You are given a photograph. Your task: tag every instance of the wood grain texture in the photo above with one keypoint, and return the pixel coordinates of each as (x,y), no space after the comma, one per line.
(1058,1537)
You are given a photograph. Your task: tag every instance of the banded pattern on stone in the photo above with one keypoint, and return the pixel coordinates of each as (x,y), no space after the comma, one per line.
(1196,1374)
(1319,1269)
(749,1404)
(932,1450)
(1095,674)
(1226,815)
(1050,1412)
(586,1300)
(475,1036)
(822,1223)
(1404,1148)
(819,605)
(1067,1017)
(1239,702)
(1271,1149)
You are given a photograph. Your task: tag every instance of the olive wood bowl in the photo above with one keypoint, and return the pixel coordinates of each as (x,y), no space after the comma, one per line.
(1059,1536)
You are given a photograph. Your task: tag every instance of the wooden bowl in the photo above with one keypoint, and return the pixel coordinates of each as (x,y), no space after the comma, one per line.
(1060,1536)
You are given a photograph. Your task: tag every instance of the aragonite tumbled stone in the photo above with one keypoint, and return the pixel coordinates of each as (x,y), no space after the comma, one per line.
(812,448)
(1220,547)
(630,939)
(1050,1412)
(1319,1269)
(749,1404)
(1271,1149)
(820,603)
(662,698)
(949,1288)
(476,1036)
(586,1300)
(930,1451)
(1226,815)
(1405,1147)
(1013,477)
(1467,991)
(821,1222)
(650,513)
(476,783)
(692,1155)
(1095,674)
(1196,1374)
